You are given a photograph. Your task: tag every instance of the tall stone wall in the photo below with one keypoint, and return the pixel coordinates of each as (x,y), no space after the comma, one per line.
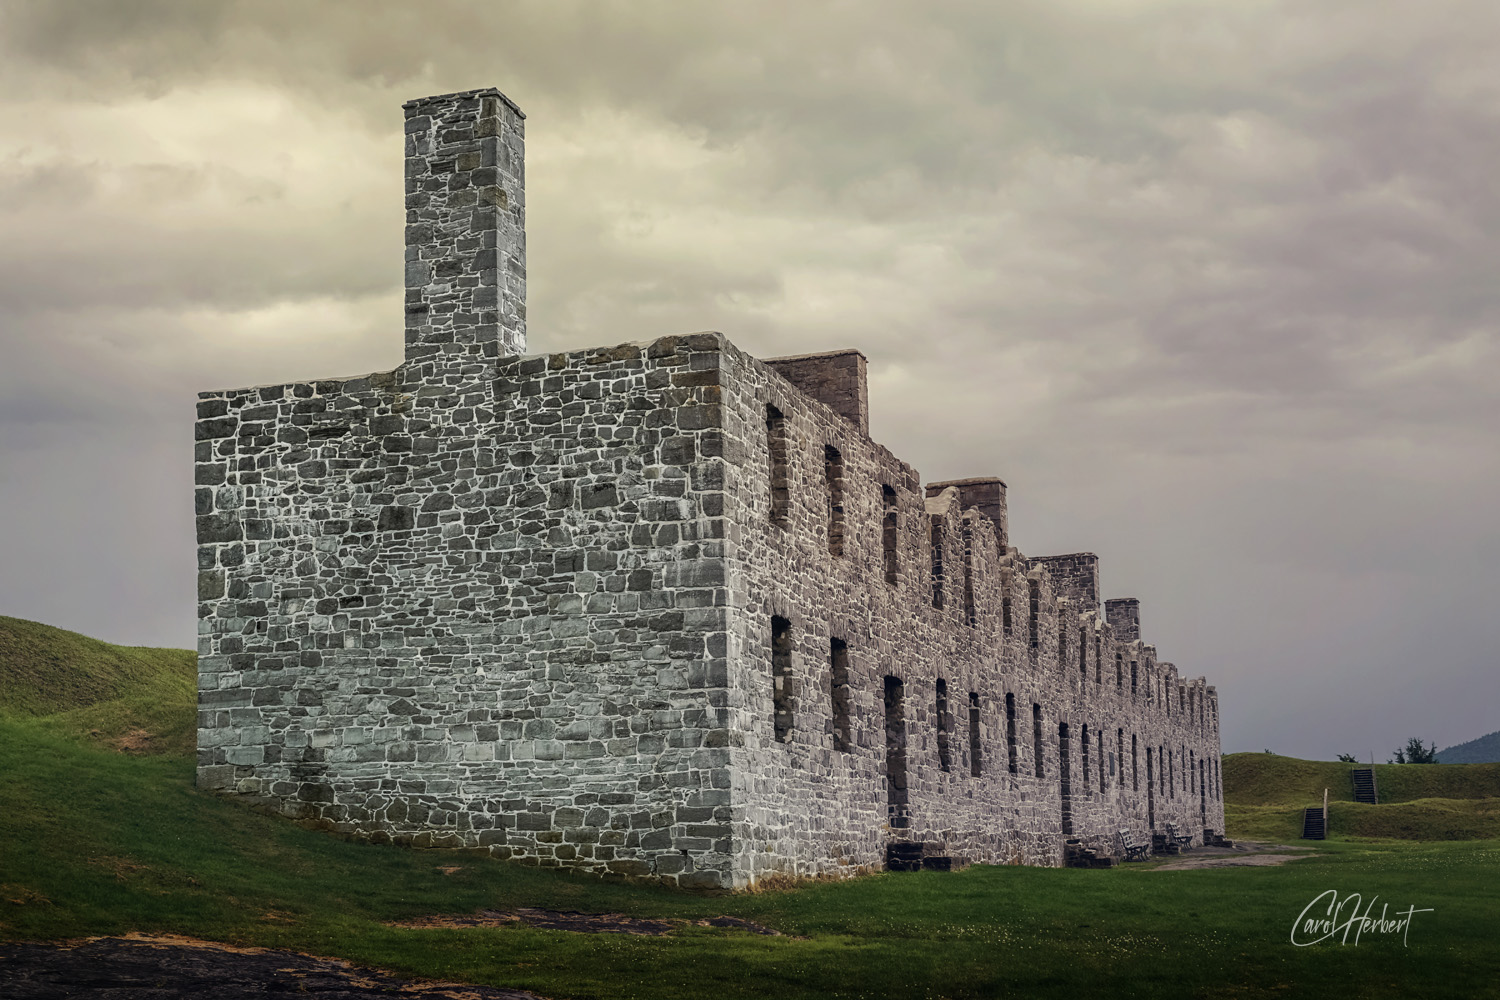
(657,610)
(813,795)
(554,612)
(485,614)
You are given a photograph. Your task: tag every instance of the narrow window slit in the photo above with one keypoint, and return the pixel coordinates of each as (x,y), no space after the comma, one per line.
(838,682)
(944,726)
(937,561)
(1036,738)
(833,473)
(776,446)
(976,762)
(1034,618)
(781,676)
(889,531)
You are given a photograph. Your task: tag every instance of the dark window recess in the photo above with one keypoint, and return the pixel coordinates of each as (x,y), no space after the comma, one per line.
(895,753)
(776,446)
(1135,765)
(1150,790)
(781,676)
(1098,659)
(1062,644)
(1132,678)
(937,561)
(1034,616)
(976,763)
(970,614)
(1085,743)
(1065,780)
(833,472)
(1005,613)
(1119,754)
(1119,671)
(1099,738)
(888,531)
(1010,730)
(944,727)
(1036,738)
(1083,656)
(838,683)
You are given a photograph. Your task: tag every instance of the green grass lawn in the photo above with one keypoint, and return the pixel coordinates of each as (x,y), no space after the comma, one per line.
(1265,795)
(94,842)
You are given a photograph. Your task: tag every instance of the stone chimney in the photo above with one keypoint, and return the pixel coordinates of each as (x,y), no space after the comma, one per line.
(1124,613)
(986,495)
(465,228)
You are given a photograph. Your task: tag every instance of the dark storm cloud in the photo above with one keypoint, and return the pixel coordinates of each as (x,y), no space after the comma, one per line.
(1211,285)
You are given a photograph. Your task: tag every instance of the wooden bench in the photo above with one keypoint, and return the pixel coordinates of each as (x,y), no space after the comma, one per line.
(1129,849)
(1173,837)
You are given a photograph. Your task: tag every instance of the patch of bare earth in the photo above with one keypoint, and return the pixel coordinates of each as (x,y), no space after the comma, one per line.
(136,741)
(583,923)
(138,967)
(1244,854)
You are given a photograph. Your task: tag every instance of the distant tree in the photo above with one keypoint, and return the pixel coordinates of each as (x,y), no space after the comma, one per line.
(1415,752)
(1270,751)
(1348,758)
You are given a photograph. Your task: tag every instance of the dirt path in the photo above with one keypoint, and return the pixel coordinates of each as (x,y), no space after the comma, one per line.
(583,923)
(1244,854)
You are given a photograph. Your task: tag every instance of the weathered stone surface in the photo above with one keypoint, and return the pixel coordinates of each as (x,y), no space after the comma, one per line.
(585,611)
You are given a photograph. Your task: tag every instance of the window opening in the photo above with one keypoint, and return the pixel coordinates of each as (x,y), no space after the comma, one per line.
(1036,737)
(937,561)
(838,682)
(776,446)
(781,676)
(833,473)
(895,753)
(976,763)
(888,532)
(1064,779)
(1010,731)
(944,724)
(1033,622)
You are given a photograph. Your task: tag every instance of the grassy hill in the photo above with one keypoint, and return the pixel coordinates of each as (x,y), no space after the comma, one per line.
(1264,795)
(96,841)
(133,698)
(1485,749)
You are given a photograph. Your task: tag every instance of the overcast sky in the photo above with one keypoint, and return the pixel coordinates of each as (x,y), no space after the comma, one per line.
(1214,287)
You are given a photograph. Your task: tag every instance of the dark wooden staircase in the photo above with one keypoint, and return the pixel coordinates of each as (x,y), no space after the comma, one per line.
(1312,824)
(914,856)
(1075,855)
(1364,784)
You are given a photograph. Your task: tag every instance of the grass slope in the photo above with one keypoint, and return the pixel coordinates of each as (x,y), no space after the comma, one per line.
(1265,794)
(98,842)
(135,694)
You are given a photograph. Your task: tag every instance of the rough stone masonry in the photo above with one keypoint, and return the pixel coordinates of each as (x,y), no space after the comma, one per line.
(659,610)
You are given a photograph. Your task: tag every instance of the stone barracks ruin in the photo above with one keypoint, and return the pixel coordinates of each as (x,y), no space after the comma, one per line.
(659,609)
